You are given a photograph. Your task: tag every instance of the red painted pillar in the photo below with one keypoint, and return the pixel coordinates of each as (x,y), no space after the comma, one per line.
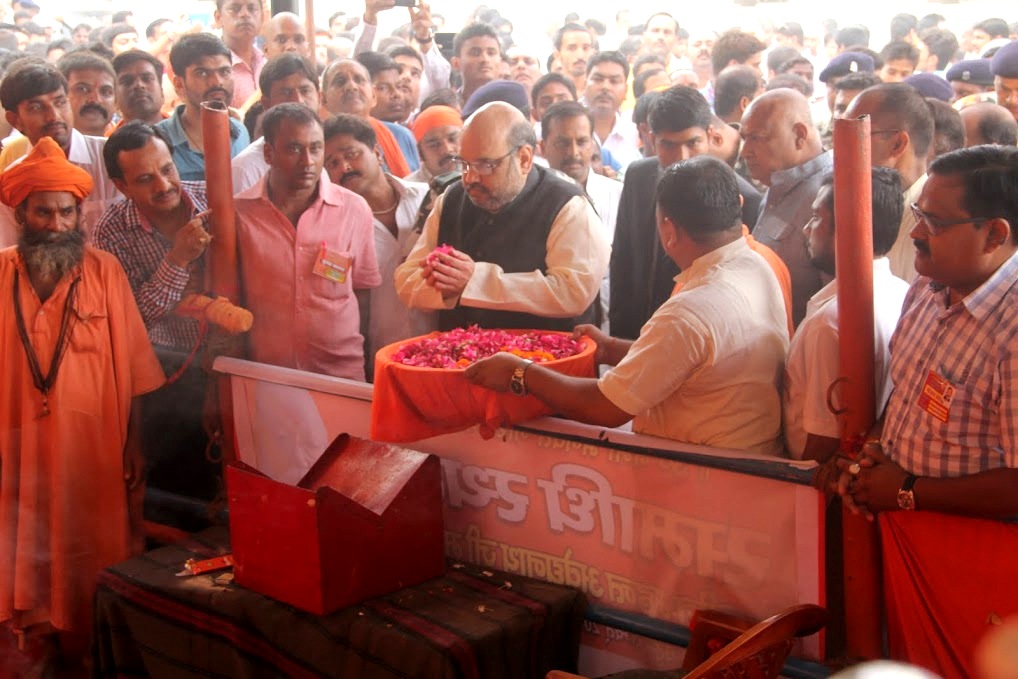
(222,277)
(854,260)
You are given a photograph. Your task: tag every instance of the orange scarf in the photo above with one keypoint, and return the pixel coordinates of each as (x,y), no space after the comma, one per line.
(390,149)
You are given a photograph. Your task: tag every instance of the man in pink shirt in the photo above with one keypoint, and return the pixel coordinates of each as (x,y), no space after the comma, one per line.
(306,248)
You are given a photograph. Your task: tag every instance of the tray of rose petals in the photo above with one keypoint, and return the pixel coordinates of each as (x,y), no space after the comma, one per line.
(420,389)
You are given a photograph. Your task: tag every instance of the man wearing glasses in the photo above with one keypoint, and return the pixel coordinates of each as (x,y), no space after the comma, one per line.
(949,440)
(901,132)
(528,249)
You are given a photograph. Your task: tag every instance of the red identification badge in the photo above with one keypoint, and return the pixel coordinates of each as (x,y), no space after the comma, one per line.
(335,266)
(935,398)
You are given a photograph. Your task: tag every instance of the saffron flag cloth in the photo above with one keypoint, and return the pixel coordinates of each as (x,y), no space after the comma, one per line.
(411,403)
(391,152)
(947,580)
(469,624)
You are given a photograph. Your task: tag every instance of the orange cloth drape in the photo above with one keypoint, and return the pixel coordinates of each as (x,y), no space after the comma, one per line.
(390,149)
(780,271)
(412,403)
(947,579)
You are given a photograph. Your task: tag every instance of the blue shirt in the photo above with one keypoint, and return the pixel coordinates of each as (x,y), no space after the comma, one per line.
(190,163)
(407,144)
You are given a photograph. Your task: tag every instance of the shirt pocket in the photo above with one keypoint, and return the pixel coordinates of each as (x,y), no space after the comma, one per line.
(972,418)
(88,360)
(327,288)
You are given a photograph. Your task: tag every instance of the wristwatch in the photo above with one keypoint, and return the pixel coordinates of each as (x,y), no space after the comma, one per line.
(906,498)
(517,384)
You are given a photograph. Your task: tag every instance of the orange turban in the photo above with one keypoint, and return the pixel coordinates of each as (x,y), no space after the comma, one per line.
(45,168)
(435,116)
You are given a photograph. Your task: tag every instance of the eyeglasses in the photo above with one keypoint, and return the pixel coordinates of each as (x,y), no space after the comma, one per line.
(872,132)
(937,226)
(481,167)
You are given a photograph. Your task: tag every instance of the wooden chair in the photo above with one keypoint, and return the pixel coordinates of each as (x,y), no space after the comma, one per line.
(758,653)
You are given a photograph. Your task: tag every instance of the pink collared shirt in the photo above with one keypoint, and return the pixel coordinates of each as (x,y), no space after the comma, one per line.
(245,76)
(303,320)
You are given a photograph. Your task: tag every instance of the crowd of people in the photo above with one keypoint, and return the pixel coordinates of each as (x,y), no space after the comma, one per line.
(672,198)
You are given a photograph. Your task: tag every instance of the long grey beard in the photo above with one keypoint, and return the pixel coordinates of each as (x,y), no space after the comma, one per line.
(50,255)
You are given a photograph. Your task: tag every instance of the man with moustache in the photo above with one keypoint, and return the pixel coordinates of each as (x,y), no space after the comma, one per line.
(286,78)
(76,360)
(90,91)
(353,162)
(529,250)
(307,254)
(567,143)
(34,97)
(660,36)
(201,72)
(392,100)
(241,21)
(138,87)
(347,88)
(437,130)
(607,75)
(156,233)
(812,431)
(948,441)
(574,46)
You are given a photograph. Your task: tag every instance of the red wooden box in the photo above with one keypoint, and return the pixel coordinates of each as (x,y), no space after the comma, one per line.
(364,521)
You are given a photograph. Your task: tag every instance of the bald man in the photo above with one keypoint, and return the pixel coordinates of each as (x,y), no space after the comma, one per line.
(528,249)
(782,150)
(901,134)
(285,32)
(989,123)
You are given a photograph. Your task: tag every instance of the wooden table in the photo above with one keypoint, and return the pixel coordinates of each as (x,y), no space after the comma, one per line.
(469,623)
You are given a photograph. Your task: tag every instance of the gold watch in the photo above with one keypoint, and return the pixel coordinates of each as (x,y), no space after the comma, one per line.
(906,498)
(518,384)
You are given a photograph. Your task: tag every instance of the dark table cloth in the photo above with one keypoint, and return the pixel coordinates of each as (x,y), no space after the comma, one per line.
(469,623)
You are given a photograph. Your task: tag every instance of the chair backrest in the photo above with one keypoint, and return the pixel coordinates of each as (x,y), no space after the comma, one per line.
(760,652)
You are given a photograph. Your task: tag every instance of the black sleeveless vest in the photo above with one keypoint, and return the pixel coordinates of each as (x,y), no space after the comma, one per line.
(515,239)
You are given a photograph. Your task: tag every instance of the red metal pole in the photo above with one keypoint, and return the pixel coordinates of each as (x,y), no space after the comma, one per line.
(222,277)
(853,213)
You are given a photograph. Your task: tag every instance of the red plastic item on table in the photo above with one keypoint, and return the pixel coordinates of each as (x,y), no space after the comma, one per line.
(412,403)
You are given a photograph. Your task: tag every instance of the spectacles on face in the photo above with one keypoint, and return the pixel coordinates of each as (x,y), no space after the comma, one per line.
(483,168)
(937,226)
(873,132)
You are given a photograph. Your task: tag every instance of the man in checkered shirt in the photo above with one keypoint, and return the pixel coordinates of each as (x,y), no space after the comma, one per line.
(155,233)
(949,441)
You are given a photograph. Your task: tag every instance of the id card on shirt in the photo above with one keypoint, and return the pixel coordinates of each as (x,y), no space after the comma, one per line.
(332,265)
(935,397)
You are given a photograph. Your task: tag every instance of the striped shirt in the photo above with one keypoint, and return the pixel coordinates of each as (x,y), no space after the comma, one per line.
(158,285)
(974,346)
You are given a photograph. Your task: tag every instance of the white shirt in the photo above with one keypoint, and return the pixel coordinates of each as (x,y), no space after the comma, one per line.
(812,364)
(902,253)
(605,193)
(87,153)
(707,365)
(390,321)
(623,142)
(249,166)
(576,261)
